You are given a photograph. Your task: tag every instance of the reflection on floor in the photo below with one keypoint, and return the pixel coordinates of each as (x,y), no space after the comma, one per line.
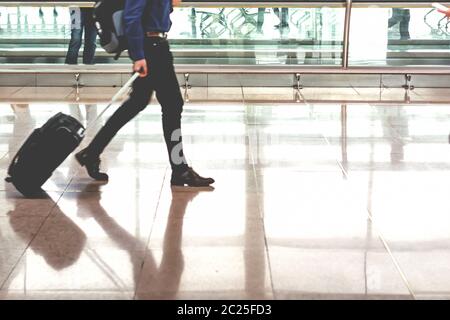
(311,201)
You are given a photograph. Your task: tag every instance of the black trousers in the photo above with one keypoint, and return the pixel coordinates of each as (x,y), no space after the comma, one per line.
(162,79)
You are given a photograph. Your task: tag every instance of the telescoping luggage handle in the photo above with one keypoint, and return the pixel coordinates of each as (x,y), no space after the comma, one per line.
(114,99)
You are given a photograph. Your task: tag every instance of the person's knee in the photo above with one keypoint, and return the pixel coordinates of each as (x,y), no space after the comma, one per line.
(178,105)
(75,39)
(76,42)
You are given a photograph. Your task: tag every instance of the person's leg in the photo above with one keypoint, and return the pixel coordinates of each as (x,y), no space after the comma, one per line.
(404,25)
(74,46)
(169,96)
(138,100)
(193,18)
(76,36)
(90,36)
(284,17)
(277,12)
(260,18)
(394,19)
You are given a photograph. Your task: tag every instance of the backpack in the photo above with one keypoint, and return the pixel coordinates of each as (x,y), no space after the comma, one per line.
(108,17)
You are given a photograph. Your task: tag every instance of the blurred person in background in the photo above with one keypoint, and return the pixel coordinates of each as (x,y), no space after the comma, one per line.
(401,17)
(282,14)
(81,20)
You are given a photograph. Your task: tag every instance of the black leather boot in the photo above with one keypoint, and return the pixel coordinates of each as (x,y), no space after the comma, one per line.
(92,165)
(190,178)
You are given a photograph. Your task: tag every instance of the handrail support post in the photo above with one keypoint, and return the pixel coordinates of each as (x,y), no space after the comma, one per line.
(186,86)
(345,40)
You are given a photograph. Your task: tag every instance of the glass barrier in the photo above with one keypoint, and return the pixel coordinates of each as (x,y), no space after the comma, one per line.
(232,35)
(306,33)
(398,36)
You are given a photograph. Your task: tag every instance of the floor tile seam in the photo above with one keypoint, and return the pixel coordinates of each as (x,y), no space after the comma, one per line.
(104,267)
(356,91)
(391,255)
(16,91)
(261,213)
(369,216)
(150,234)
(31,240)
(380,236)
(67,97)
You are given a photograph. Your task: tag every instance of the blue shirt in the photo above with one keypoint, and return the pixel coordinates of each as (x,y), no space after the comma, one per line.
(141,16)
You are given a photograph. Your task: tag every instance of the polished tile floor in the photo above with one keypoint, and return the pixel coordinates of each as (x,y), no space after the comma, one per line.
(312,201)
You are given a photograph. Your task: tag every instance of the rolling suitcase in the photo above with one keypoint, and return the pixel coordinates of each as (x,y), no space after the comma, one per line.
(44,150)
(47,147)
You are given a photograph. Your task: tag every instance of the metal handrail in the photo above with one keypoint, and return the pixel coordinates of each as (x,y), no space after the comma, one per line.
(348,10)
(219,69)
(237,4)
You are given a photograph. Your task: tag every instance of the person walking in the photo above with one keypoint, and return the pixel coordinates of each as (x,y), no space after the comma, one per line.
(282,14)
(146,24)
(82,20)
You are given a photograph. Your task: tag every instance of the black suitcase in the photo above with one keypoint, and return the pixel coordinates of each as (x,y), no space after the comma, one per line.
(44,150)
(47,147)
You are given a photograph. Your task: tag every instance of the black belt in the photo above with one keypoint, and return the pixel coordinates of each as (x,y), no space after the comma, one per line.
(162,35)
